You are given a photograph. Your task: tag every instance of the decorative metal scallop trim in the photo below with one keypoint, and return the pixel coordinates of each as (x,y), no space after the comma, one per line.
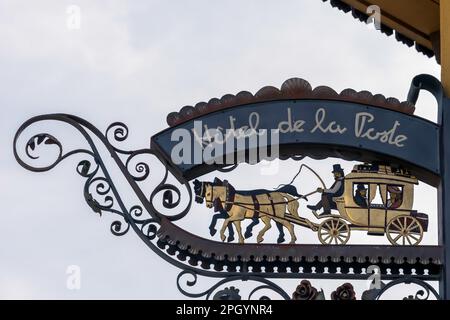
(291,89)
(211,255)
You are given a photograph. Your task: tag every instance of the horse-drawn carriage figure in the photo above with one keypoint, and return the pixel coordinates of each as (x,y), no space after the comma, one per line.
(373,198)
(359,210)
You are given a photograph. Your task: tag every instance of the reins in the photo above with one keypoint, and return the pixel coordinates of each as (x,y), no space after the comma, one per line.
(243,205)
(299,171)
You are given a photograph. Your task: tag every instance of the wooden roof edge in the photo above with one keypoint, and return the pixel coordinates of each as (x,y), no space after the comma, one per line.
(428,45)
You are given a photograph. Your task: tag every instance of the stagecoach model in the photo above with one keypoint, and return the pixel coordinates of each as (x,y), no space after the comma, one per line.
(376,198)
(386,208)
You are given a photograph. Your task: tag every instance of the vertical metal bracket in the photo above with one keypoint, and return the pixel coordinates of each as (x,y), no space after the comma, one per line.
(434,86)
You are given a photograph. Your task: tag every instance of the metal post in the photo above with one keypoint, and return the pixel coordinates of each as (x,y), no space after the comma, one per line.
(444,189)
(445,45)
(444,197)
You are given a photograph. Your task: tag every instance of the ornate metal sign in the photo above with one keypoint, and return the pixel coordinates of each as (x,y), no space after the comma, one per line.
(303,125)
(394,150)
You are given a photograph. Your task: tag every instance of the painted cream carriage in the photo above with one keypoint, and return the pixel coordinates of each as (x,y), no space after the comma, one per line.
(386,210)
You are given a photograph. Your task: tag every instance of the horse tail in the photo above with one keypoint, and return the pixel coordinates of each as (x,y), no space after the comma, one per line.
(292,205)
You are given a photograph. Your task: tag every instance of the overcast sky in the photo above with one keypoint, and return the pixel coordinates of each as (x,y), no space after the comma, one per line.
(136,61)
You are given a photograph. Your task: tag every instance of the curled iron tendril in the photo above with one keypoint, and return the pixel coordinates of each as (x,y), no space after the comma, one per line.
(141,170)
(168,200)
(120,134)
(116,228)
(421,294)
(171,197)
(37,140)
(230,293)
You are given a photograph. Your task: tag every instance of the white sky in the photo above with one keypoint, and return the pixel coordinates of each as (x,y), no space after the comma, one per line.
(136,61)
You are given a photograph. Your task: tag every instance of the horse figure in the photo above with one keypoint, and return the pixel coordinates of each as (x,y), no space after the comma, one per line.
(248,231)
(222,214)
(263,204)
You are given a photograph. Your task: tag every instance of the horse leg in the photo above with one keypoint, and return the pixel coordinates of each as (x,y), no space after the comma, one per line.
(230,233)
(281,232)
(293,206)
(237,224)
(280,208)
(267,226)
(292,232)
(226,223)
(224,227)
(212,226)
(249,229)
(290,227)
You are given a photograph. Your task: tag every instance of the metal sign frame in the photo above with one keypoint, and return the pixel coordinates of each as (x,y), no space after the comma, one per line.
(198,256)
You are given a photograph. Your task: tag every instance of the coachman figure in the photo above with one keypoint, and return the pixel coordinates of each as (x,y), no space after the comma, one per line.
(336,190)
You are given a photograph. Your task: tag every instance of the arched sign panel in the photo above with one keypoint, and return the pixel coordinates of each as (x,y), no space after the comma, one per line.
(319,128)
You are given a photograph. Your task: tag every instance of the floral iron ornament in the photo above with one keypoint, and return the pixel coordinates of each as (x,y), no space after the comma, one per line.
(305,291)
(346,292)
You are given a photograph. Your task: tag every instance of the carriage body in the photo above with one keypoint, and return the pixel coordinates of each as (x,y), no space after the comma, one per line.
(379,216)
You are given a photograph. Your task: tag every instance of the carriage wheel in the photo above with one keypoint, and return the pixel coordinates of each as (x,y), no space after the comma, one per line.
(404,230)
(334,231)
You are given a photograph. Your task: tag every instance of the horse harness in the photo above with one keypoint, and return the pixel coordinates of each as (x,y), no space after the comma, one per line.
(230,194)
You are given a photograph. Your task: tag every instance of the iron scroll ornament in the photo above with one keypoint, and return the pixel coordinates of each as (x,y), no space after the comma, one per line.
(230,293)
(99,183)
(194,255)
(305,291)
(425,292)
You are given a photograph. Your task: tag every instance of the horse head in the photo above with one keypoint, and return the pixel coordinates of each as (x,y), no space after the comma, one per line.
(199,191)
(205,190)
(211,196)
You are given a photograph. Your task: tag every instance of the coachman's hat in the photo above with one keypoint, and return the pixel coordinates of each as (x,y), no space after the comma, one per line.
(337,168)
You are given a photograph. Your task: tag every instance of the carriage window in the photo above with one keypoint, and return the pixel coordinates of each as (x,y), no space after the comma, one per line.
(360,194)
(394,196)
(376,197)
